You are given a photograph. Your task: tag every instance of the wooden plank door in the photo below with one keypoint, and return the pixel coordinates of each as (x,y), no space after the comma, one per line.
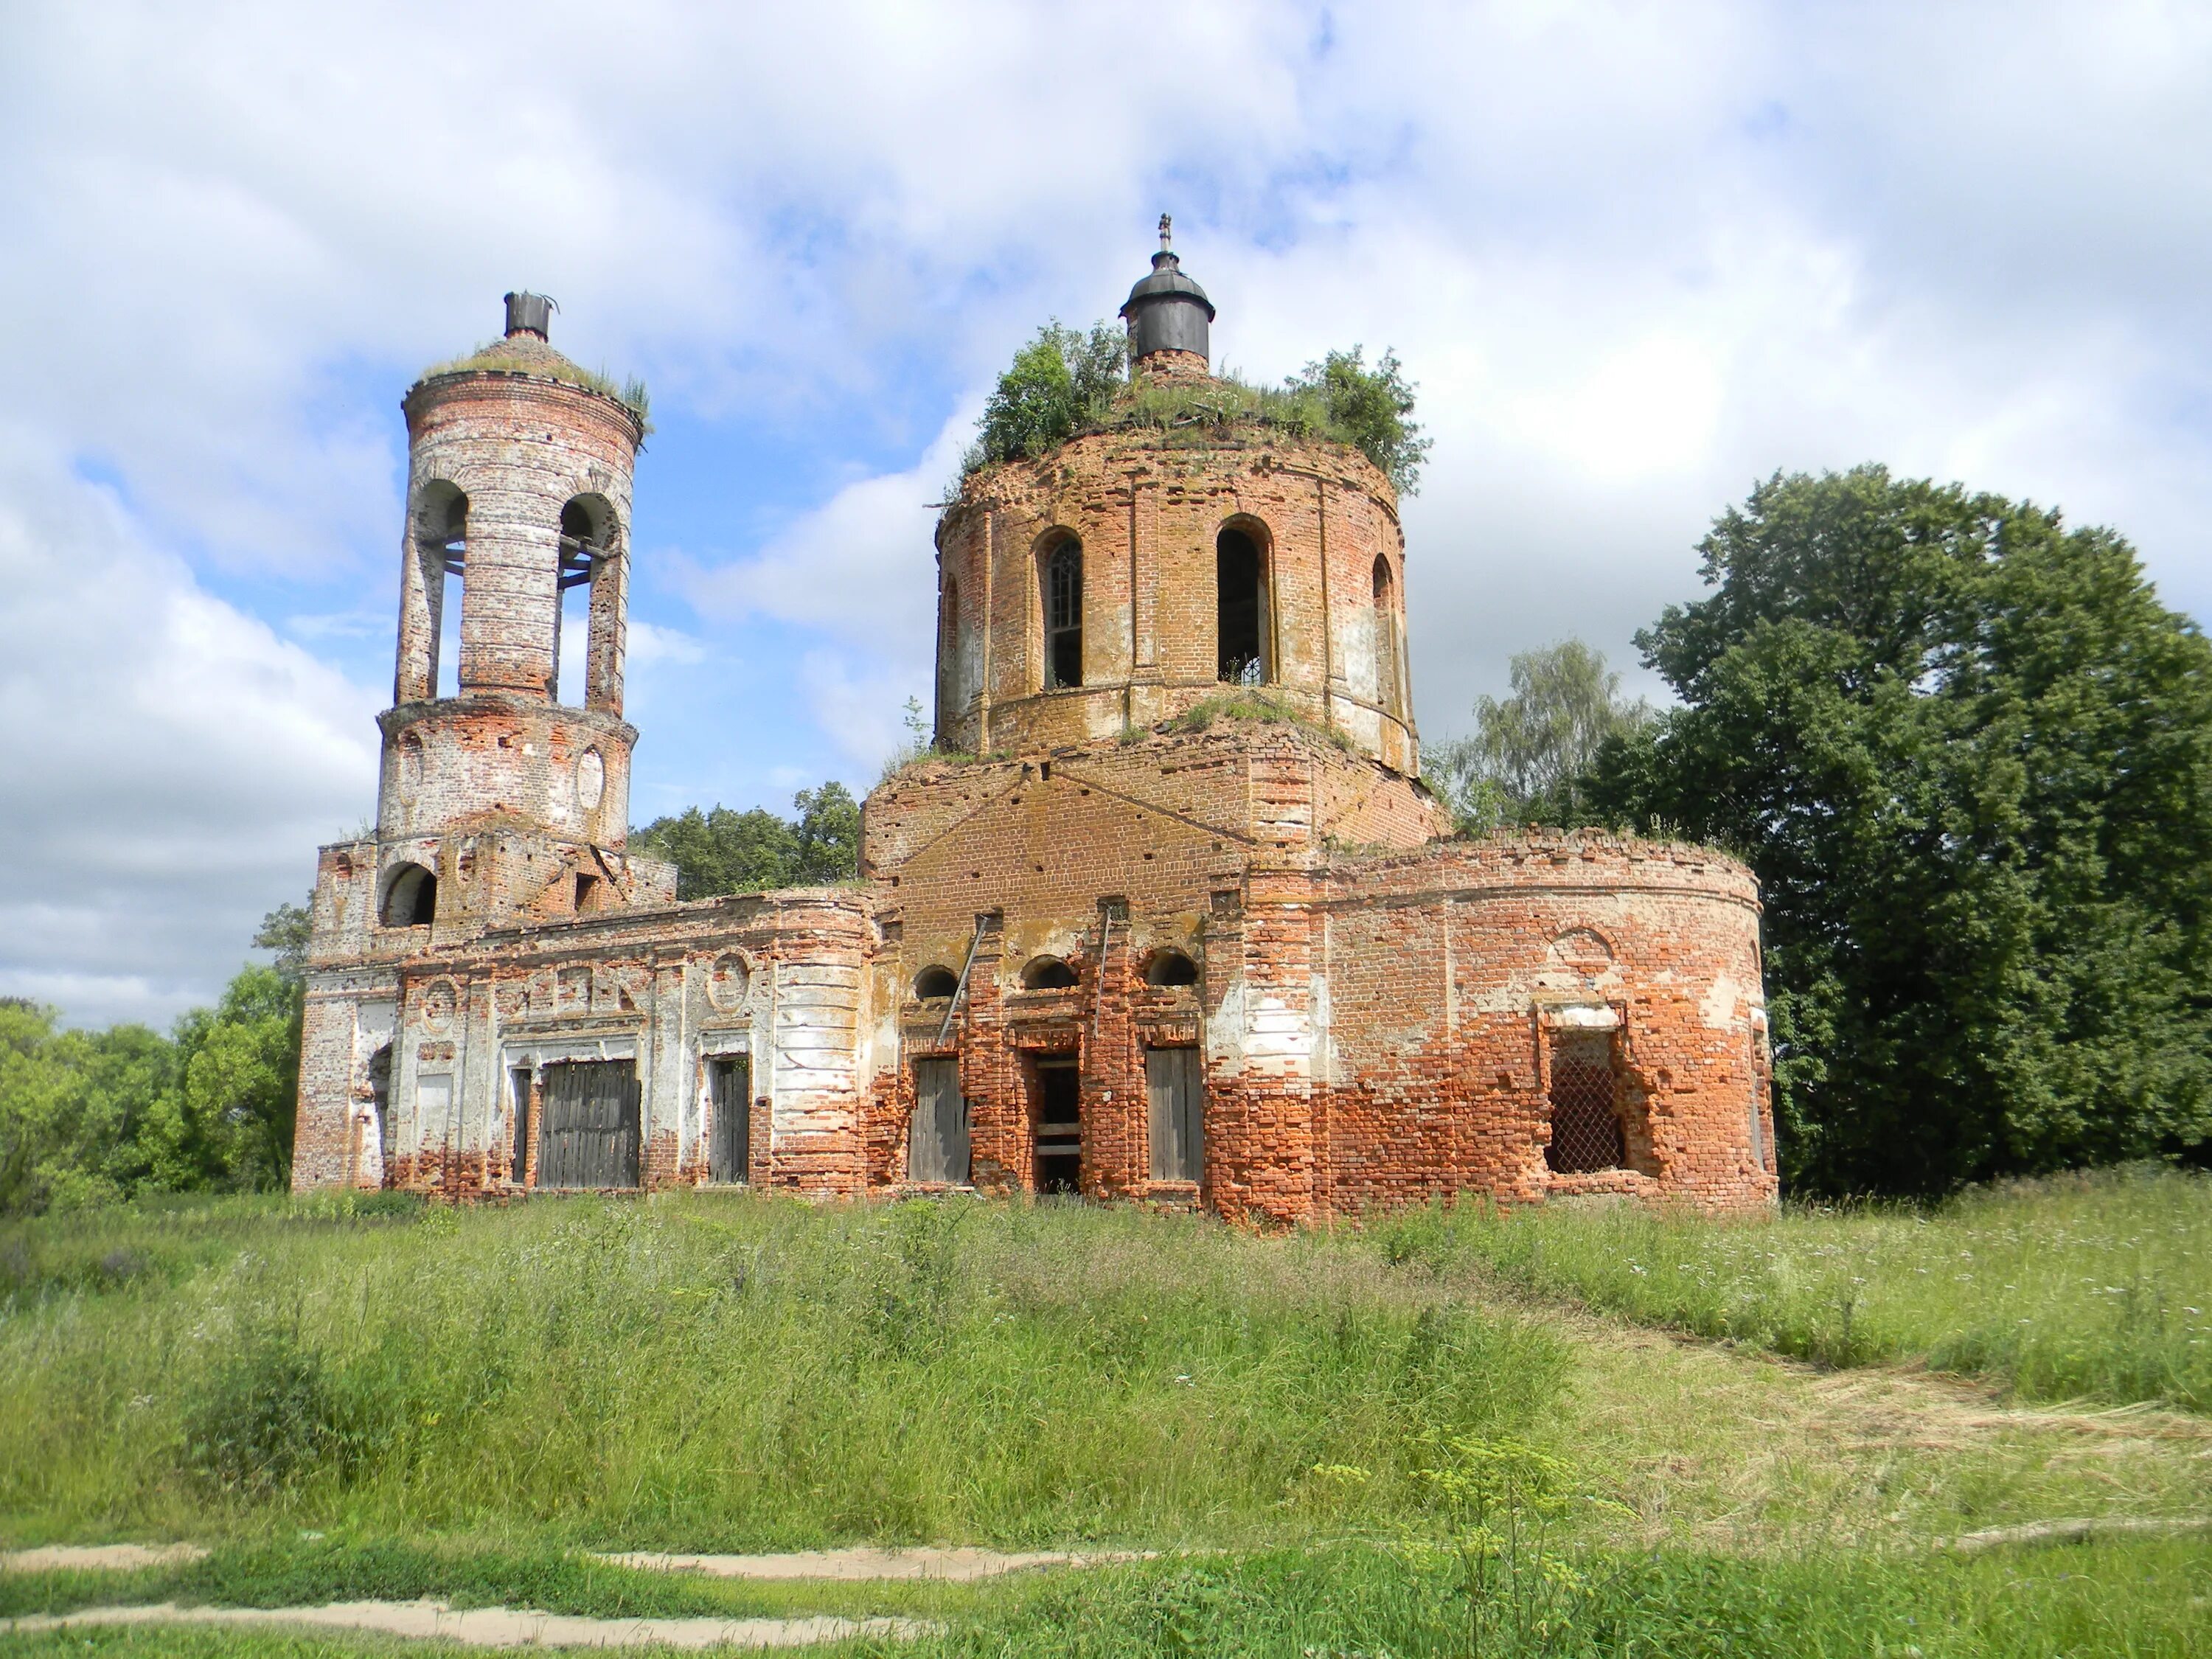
(729,1097)
(937,1139)
(1176,1085)
(590,1118)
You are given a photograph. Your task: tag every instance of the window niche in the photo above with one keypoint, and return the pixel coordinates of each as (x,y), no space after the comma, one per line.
(1387,673)
(410,897)
(1061,585)
(1589,1103)
(1165,968)
(1047,974)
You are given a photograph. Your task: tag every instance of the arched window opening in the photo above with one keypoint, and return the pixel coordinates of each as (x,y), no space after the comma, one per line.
(1241,608)
(1386,638)
(441,530)
(935,984)
(1063,615)
(586,522)
(1047,974)
(1588,1132)
(1169,968)
(410,897)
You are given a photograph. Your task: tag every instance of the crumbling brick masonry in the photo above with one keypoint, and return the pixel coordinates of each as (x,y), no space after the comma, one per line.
(1188,930)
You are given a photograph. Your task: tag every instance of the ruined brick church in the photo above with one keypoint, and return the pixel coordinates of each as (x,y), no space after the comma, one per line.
(1140,947)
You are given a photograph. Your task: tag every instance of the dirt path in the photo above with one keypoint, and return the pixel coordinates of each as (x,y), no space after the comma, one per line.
(100,1557)
(488,1627)
(1734,1450)
(952,1565)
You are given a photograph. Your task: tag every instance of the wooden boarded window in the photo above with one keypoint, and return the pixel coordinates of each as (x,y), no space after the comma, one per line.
(1058,1103)
(1586,1127)
(730,1128)
(1176,1083)
(588,1124)
(937,1139)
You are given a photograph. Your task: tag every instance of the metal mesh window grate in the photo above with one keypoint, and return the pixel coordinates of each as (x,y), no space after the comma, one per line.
(1585,1121)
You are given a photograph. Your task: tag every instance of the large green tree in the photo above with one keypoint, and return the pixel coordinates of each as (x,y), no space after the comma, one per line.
(1969,755)
(720,851)
(1529,758)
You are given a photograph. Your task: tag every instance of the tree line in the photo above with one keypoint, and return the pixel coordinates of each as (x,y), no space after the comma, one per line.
(1969,755)
(92,1117)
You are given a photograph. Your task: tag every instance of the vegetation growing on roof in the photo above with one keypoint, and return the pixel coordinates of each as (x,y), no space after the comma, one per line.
(499,357)
(1067,382)
(1249,704)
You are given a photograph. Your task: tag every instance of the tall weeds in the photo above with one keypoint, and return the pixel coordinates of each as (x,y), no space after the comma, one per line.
(729,1371)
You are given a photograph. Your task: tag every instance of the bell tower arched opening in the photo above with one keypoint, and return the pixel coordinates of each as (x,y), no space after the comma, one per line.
(586,659)
(442,519)
(1240,607)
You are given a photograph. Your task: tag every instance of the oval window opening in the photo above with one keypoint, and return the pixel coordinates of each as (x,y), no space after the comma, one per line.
(590,778)
(728,981)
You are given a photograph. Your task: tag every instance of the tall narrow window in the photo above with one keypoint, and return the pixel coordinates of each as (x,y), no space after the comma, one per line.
(1386,638)
(1240,615)
(1063,615)
(442,542)
(583,545)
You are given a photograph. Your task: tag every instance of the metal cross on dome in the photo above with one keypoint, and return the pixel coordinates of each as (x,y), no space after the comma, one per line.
(1166,224)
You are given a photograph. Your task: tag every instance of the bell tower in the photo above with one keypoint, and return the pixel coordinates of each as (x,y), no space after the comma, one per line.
(502,734)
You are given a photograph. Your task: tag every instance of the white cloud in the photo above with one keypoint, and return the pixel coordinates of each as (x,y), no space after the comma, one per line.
(172,764)
(1636,255)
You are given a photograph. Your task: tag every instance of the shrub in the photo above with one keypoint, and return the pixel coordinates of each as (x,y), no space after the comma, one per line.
(265,1415)
(1065,383)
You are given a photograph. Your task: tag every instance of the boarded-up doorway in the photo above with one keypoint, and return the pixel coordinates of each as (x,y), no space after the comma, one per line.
(1175,1083)
(589,1114)
(730,1099)
(1059,1127)
(937,1140)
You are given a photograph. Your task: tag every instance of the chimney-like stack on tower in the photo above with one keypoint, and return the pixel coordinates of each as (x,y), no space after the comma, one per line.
(1169,317)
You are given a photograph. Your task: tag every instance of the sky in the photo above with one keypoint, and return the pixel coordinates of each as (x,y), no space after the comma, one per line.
(1636,257)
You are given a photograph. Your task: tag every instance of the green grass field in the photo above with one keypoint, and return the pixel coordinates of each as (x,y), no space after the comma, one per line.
(1449,1432)
(2089,1287)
